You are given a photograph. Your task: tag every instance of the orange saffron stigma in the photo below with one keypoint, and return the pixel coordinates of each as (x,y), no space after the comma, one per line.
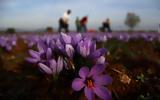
(90,83)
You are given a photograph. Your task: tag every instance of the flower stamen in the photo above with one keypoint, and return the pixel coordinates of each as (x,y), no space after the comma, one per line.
(90,83)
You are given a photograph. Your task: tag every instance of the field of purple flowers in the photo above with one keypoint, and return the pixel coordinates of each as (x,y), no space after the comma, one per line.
(74,66)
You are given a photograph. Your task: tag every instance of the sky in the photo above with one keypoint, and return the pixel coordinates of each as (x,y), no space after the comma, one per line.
(38,14)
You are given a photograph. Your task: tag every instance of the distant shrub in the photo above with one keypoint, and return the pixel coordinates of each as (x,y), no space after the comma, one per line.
(49,29)
(11,30)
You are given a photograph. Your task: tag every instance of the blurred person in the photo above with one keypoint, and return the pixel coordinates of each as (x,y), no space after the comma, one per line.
(78,26)
(83,23)
(63,21)
(106,25)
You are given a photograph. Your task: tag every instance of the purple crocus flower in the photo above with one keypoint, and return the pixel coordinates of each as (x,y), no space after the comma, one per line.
(93,82)
(98,53)
(54,67)
(101,38)
(31,40)
(87,48)
(8,42)
(69,50)
(123,37)
(65,38)
(84,47)
(59,45)
(76,38)
(52,44)
(98,56)
(40,56)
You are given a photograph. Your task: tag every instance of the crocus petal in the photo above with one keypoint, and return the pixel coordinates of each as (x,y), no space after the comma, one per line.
(83,72)
(53,66)
(101,60)
(97,69)
(49,53)
(99,52)
(52,44)
(69,50)
(40,47)
(83,48)
(102,92)
(34,54)
(2,41)
(89,93)
(77,84)
(32,60)
(76,38)
(59,44)
(93,47)
(88,45)
(13,42)
(87,42)
(102,80)
(45,68)
(66,38)
(48,40)
(59,64)
(83,51)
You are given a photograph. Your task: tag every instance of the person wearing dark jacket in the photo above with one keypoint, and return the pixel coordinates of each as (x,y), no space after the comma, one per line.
(106,25)
(78,26)
(83,23)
